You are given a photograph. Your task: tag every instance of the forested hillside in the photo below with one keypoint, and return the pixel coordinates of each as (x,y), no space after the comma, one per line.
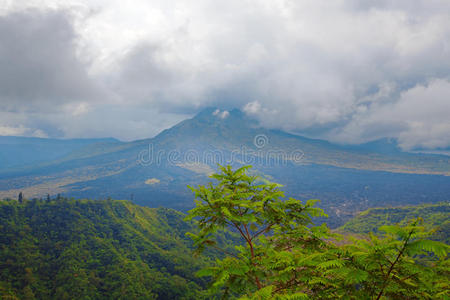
(113,249)
(435,216)
(66,249)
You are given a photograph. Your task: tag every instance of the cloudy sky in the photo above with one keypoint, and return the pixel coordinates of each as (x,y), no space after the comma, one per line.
(348,71)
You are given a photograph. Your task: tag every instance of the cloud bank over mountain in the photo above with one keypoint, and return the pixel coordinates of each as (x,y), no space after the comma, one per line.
(347,71)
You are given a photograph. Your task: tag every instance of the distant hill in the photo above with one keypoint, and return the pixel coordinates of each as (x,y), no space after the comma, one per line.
(22,151)
(387,146)
(435,216)
(108,249)
(155,172)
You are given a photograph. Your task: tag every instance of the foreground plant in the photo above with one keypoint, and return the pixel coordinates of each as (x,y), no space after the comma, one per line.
(283,255)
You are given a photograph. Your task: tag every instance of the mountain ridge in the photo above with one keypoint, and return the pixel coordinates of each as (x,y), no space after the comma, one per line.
(156,171)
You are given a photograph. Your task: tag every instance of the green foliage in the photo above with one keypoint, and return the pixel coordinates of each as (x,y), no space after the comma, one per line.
(283,255)
(436,216)
(397,265)
(265,247)
(95,250)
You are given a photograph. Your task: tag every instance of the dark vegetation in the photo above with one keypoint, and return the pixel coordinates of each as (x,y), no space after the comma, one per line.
(345,191)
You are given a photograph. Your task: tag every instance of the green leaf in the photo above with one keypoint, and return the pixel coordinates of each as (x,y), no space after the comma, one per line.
(331,264)
(205,272)
(438,248)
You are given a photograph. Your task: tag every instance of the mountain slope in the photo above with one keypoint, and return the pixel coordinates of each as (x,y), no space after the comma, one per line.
(346,178)
(98,249)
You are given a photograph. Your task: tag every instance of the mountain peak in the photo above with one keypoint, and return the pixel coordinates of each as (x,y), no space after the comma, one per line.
(214,113)
(218,116)
(211,121)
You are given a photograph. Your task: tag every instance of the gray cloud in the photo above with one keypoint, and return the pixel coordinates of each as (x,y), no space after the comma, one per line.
(418,119)
(38,62)
(349,71)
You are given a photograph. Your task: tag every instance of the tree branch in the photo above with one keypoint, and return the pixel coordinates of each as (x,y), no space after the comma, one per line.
(400,254)
(261,231)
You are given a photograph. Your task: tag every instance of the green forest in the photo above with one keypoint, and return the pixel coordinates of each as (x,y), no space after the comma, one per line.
(243,240)
(83,249)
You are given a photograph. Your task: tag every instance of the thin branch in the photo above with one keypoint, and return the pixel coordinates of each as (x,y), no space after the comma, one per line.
(224,251)
(246,231)
(381,268)
(287,285)
(261,231)
(240,230)
(400,254)
(407,277)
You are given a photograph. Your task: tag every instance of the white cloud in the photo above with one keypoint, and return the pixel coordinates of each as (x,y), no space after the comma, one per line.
(221,114)
(345,70)
(22,131)
(5,130)
(224,114)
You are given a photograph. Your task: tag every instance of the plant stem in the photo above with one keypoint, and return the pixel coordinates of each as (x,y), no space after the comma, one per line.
(386,280)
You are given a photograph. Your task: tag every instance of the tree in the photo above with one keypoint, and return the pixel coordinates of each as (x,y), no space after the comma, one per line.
(283,255)
(270,229)
(20,197)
